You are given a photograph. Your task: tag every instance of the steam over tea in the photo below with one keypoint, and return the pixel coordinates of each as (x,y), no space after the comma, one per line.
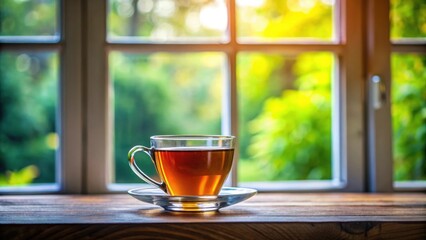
(193,171)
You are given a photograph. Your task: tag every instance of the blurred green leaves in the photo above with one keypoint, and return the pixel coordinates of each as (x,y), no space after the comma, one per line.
(288,137)
(268,20)
(29,100)
(409,116)
(29,18)
(24,176)
(408,19)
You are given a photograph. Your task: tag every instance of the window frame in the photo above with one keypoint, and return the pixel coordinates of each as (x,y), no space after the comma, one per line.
(72,98)
(69,121)
(85,120)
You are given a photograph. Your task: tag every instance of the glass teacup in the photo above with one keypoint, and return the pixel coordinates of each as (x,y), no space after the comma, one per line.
(188,165)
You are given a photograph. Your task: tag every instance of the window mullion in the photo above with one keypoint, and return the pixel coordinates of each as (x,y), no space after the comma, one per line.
(98,147)
(351,88)
(231,103)
(71,124)
(380,170)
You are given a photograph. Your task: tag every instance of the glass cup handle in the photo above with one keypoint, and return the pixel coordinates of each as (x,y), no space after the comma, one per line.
(138,171)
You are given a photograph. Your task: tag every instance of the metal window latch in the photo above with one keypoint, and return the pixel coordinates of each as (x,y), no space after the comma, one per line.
(378,92)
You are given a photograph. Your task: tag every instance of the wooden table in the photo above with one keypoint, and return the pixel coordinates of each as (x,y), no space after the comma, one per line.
(264,216)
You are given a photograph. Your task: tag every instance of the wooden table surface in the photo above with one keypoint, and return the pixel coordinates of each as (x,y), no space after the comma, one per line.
(264,216)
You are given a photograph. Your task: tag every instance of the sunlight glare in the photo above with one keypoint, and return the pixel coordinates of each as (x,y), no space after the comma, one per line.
(23,63)
(125,8)
(192,21)
(165,8)
(328,2)
(145,6)
(250,3)
(52,141)
(164,31)
(301,5)
(214,16)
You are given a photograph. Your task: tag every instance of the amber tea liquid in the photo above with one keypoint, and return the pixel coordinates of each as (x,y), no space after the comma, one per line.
(193,171)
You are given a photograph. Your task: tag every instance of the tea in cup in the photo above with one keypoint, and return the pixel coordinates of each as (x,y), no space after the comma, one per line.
(188,165)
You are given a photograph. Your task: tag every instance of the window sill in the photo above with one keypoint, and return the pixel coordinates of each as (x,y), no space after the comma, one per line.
(47,188)
(266,215)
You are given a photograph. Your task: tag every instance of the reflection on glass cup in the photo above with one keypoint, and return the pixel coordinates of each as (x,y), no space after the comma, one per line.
(188,165)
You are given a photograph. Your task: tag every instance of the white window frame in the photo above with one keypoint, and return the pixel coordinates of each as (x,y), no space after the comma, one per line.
(69,157)
(362,50)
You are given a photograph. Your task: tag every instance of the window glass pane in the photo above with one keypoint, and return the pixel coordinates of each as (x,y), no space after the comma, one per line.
(408,19)
(167,20)
(163,93)
(38,18)
(269,20)
(285,116)
(409,116)
(28,131)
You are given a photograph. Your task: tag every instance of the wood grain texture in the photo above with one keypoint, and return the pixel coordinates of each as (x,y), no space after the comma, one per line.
(265,216)
(237,231)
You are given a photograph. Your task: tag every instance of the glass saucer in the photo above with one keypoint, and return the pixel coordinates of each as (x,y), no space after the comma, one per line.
(228,196)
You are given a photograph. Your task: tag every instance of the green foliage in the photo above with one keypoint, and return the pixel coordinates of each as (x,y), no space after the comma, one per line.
(409,116)
(292,144)
(29,97)
(408,19)
(27,18)
(290,135)
(21,177)
(258,79)
(160,20)
(286,19)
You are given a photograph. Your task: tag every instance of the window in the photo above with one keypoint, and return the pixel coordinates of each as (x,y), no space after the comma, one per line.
(29,92)
(408,91)
(40,91)
(313,90)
